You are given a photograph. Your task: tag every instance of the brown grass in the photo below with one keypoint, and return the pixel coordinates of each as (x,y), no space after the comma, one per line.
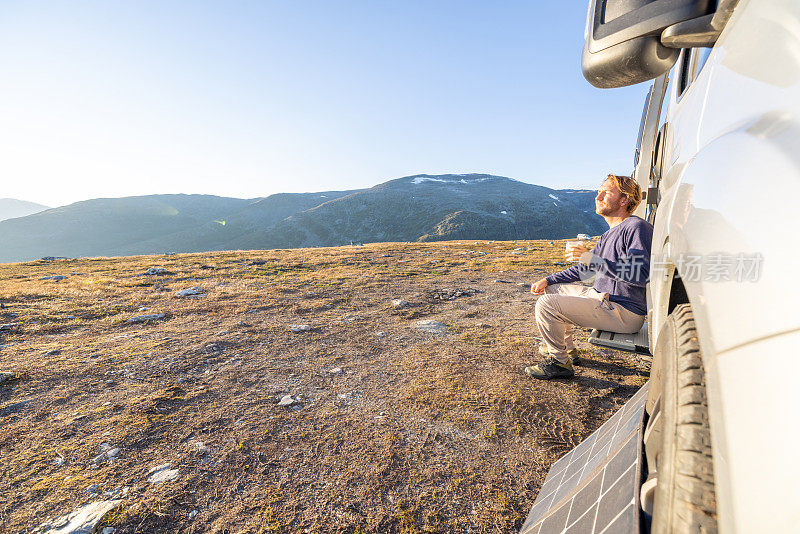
(418,433)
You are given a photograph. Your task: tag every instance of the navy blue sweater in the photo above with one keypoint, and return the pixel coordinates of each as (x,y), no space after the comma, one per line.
(621,261)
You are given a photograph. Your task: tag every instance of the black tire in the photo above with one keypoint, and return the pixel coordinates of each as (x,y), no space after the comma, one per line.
(684,498)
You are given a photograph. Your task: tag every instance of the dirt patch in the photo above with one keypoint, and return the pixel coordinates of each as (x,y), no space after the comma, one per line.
(389,428)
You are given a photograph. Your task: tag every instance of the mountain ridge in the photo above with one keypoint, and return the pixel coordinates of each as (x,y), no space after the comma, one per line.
(421,207)
(11,208)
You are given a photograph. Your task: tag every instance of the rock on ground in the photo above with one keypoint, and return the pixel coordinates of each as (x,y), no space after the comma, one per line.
(162,473)
(287,400)
(145,318)
(399,304)
(83,520)
(189,292)
(430,326)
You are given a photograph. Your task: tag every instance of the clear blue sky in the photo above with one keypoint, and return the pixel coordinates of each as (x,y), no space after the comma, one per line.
(246,99)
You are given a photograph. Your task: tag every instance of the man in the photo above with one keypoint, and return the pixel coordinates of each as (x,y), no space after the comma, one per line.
(616,302)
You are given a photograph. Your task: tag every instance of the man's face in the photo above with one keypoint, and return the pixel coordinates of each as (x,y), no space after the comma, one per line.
(609,200)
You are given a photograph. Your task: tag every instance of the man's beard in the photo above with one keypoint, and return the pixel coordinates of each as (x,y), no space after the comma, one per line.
(604,210)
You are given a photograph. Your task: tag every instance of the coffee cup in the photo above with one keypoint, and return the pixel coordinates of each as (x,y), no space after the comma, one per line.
(571,246)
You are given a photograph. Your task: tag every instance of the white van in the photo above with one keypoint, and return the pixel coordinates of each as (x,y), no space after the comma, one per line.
(718,442)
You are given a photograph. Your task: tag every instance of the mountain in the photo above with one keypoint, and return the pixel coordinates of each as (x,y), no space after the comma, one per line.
(108,226)
(433,208)
(11,208)
(414,208)
(219,234)
(583,198)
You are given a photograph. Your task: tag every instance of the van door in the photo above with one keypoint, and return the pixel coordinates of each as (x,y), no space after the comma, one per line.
(646,145)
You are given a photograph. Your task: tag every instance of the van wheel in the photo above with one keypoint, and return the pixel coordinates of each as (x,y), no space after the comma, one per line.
(684,497)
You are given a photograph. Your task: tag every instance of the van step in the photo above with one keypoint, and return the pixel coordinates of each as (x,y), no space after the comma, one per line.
(595,487)
(637,342)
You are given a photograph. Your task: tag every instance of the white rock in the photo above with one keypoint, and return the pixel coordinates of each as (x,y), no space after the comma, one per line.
(336,370)
(83,519)
(113,452)
(286,400)
(145,318)
(299,327)
(430,326)
(380,334)
(156,271)
(162,473)
(108,530)
(192,514)
(202,450)
(189,292)
(399,304)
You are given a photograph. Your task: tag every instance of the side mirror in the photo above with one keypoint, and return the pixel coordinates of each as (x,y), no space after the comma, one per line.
(623,38)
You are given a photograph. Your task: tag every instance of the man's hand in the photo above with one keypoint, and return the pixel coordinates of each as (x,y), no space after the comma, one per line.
(574,253)
(537,288)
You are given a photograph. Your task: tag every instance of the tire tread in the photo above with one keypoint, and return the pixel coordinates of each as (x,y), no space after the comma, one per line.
(694,500)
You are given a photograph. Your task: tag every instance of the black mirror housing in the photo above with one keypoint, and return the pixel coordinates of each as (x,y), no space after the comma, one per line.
(623,38)
(628,63)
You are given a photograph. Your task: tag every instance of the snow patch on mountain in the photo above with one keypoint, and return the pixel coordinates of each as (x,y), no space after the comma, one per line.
(420,179)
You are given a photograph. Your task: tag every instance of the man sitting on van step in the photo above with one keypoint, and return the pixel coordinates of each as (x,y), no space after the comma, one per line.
(616,302)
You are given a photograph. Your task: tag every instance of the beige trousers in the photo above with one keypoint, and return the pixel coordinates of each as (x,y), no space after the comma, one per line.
(565,305)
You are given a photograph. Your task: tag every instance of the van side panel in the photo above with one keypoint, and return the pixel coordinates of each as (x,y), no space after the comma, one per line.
(729,209)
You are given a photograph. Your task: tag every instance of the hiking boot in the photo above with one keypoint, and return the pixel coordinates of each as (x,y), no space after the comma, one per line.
(550,368)
(574,354)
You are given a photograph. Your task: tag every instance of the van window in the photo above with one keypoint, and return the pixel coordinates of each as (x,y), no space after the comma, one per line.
(667,97)
(641,127)
(700,57)
(683,72)
(691,63)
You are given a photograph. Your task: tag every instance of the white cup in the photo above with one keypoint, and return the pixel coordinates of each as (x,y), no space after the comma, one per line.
(572,244)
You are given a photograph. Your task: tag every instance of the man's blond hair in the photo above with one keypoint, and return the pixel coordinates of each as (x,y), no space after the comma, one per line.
(629,189)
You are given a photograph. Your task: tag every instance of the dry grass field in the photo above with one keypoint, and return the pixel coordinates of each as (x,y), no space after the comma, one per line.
(390,429)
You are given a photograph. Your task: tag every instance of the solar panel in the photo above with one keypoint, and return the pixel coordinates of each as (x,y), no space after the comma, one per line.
(594,487)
